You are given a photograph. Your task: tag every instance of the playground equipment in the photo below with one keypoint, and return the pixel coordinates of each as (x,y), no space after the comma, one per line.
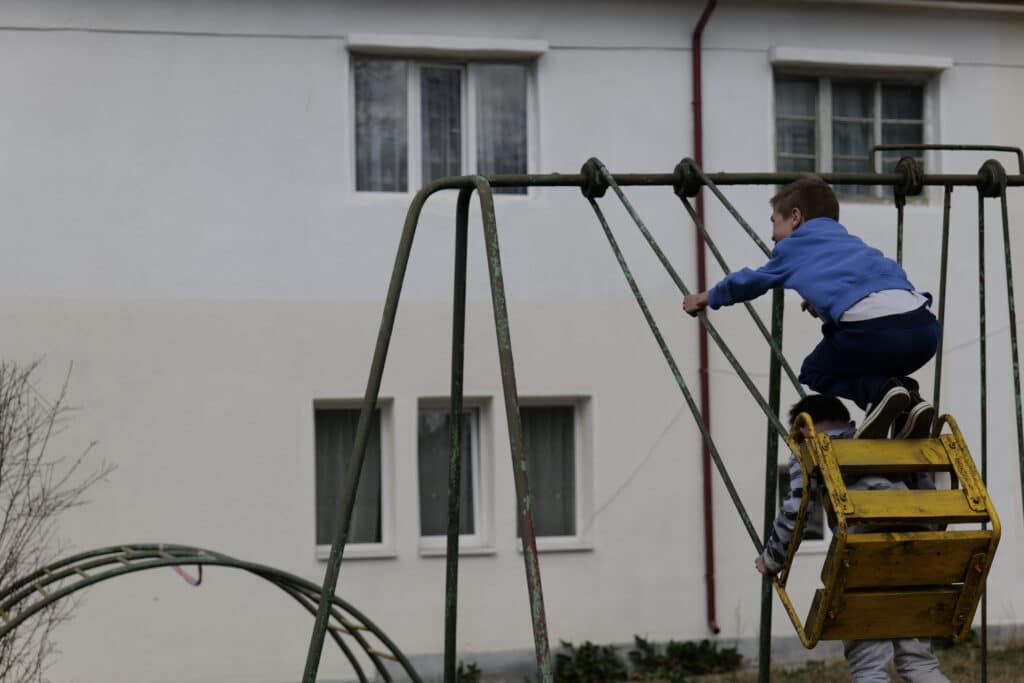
(991,181)
(350,629)
(942,576)
(908,576)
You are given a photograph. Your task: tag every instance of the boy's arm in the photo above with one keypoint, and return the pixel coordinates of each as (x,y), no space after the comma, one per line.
(746,284)
(781,538)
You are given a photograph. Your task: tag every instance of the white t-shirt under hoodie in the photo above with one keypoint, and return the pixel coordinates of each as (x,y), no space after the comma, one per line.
(883,303)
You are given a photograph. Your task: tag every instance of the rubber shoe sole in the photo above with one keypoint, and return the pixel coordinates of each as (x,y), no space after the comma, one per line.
(919,422)
(880,417)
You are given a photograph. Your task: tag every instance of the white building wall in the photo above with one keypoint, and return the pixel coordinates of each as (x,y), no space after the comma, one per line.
(181,226)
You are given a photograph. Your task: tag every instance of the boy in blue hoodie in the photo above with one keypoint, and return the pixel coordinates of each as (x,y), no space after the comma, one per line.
(877,328)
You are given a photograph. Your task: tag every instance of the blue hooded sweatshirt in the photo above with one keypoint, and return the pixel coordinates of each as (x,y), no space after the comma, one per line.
(828,266)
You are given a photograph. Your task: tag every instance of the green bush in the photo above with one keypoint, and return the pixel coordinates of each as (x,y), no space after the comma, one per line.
(679,660)
(468,674)
(588,663)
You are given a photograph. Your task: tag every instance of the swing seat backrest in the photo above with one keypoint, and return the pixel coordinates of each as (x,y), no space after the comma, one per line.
(900,573)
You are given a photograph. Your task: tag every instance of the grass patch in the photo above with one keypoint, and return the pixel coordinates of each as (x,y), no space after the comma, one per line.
(958,663)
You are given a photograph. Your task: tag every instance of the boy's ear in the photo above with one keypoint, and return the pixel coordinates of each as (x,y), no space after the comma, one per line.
(797,215)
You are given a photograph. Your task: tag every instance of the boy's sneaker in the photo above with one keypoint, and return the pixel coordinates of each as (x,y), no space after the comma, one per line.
(894,399)
(916,423)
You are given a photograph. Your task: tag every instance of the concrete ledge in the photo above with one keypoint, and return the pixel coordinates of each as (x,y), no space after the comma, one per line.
(445,46)
(783,56)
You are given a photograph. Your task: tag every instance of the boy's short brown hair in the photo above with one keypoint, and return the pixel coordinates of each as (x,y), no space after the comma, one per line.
(811,195)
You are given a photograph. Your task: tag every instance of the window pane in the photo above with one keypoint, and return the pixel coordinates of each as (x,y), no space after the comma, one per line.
(902,102)
(853,166)
(335,437)
(794,137)
(902,133)
(434,454)
(853,100)
(851,139)
(796,97)
(797,165)
(441,121)
(889,160)
(549,436)
(501,121)
(381,129)
(814,527)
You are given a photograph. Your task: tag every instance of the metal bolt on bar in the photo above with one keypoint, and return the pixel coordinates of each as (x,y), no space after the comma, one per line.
(691,166)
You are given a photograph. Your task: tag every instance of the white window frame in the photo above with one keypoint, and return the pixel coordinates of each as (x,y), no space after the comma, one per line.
(480,541)
(468,67)
(823,121)
(584,469)
(386,547)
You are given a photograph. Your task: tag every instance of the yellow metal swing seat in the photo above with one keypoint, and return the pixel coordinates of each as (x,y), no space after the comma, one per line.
(894,582)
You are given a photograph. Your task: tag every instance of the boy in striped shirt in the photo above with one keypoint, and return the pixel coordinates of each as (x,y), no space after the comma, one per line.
(868,660)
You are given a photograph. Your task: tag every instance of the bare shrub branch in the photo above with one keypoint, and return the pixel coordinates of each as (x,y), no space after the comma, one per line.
(37,484)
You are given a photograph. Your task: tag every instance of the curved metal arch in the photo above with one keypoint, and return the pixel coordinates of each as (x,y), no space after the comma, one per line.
(76,572)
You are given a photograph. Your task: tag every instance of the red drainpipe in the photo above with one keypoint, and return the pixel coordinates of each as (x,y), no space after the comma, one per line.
(702,284)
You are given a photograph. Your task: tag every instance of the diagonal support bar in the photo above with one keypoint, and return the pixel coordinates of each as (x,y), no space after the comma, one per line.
(694,408)
(515,434)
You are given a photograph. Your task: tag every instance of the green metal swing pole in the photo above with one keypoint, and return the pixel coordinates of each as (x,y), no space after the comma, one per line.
(776,350)
(355,467)
(515,433)
(712,331)
(764,657)
(943,272)
(451,595)
(983,353)
(899,230)
(1015,362)
(674,368)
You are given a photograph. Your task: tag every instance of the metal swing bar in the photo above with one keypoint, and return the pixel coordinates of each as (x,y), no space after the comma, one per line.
(25,597)
(467,185)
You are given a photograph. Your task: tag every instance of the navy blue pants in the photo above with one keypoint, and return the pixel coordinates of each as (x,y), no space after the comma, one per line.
(855,360)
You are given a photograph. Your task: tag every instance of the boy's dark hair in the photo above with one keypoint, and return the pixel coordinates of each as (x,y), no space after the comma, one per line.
(821,408)
(811,195)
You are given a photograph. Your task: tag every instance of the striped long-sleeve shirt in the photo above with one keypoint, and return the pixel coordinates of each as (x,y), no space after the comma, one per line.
(785,522)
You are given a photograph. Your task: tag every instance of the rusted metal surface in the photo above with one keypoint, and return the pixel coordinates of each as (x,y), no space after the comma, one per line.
(947,199)
(365,416)
(545,665)
(983,390)
(74,573)
(451,591)
(678,376)
(764,656)
(985,180)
